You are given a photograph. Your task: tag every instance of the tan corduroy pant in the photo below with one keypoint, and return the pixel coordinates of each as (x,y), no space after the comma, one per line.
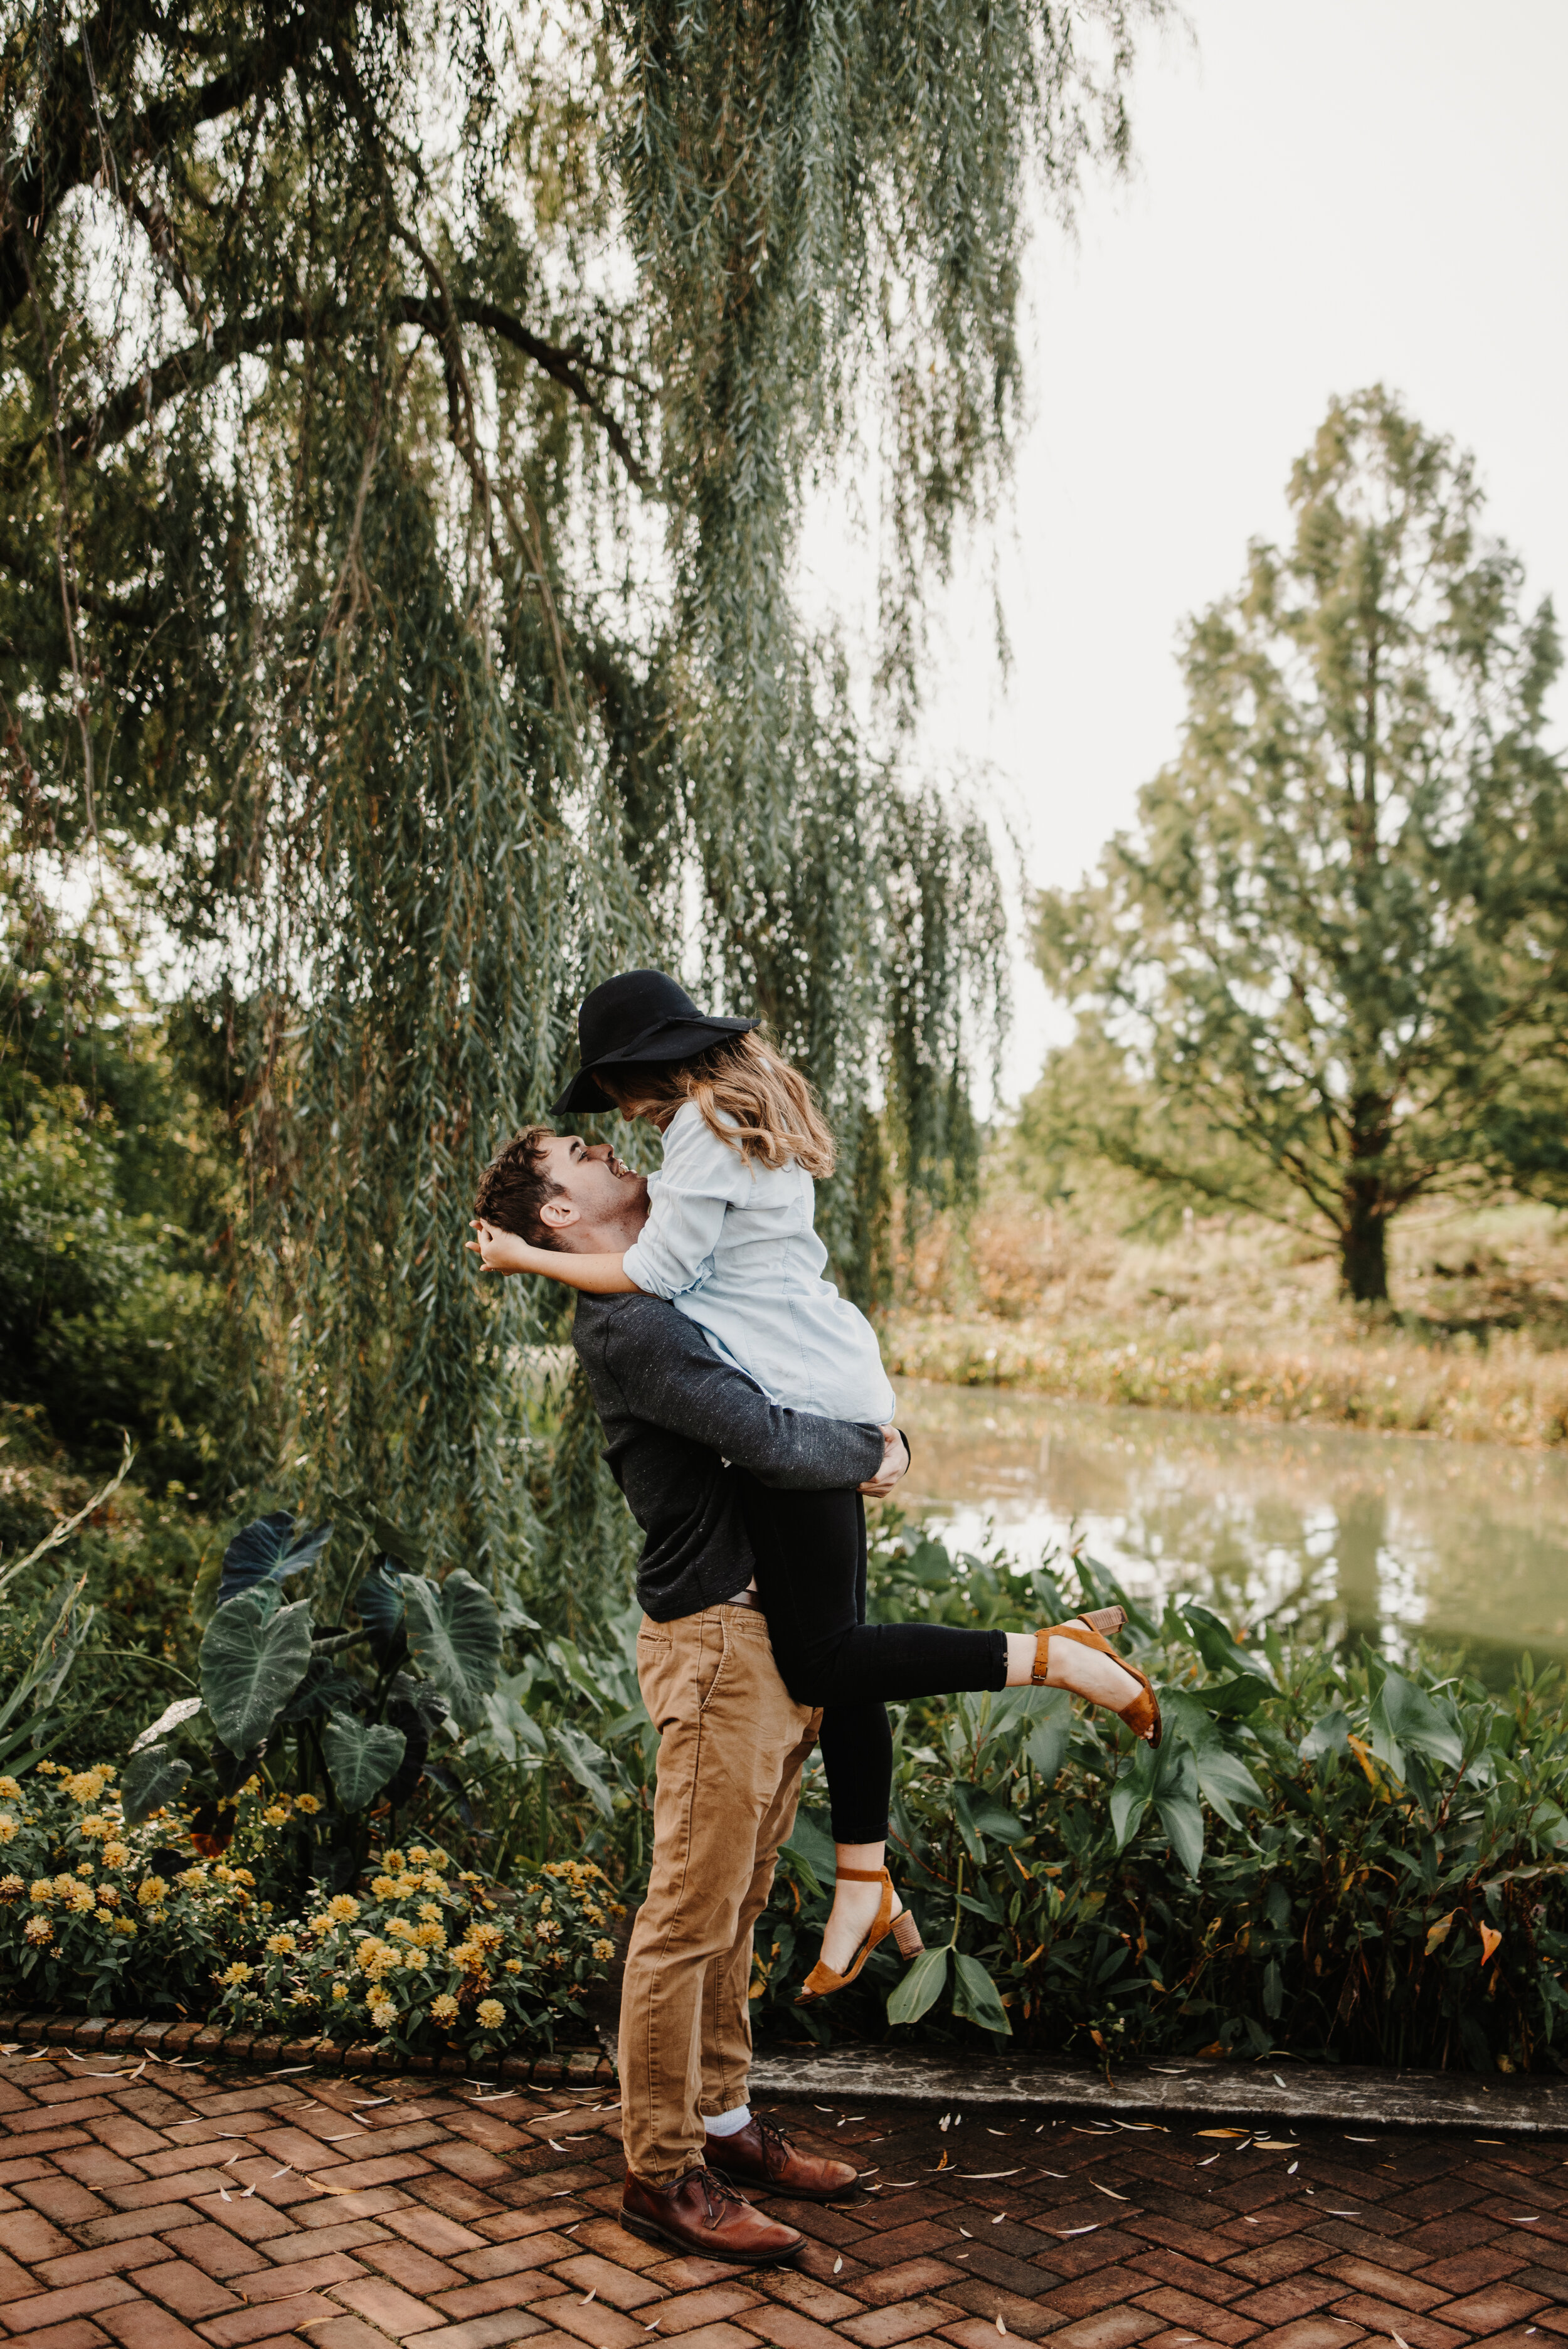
(732,1745)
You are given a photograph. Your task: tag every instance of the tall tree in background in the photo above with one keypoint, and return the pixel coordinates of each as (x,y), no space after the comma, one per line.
(1337,939)
(406,414)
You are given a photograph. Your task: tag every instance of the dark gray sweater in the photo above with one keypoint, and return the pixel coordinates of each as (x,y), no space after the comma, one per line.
(674,1416)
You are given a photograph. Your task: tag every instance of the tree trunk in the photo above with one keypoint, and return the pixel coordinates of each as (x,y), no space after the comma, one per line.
(1363,1247)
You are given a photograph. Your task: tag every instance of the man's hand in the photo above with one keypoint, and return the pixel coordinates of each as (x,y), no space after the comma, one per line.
(499,1251)
(895,1460)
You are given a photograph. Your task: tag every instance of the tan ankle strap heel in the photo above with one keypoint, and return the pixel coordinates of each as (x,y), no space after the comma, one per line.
(1141,1712)
(822,1980)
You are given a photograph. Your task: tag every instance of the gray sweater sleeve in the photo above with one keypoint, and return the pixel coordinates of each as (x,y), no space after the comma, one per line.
(667,1374)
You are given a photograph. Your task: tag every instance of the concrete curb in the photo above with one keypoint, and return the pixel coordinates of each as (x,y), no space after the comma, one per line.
(1277,2093)
(1196,2087)
(572,2066)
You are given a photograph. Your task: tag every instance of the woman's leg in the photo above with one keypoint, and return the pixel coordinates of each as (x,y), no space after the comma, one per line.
(810,1567)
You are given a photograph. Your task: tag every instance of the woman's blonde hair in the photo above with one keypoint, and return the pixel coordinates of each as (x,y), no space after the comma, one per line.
(749,1094)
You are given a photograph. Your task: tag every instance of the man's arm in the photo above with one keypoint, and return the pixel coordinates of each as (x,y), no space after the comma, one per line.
(666,1373)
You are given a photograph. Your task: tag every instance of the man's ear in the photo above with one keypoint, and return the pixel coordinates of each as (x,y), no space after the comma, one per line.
(558,1213)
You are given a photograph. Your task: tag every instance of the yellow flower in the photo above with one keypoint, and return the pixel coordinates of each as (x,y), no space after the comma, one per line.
(43,1890)
(115,1854)
(308,1804)
(429,1912)
(84,1867)
(491,2013)
(384,1888)
(444,2009)
(37,1928)
(399,1929)
(343,1908)
(86,1785)
(281,1945)
(594,1914)
(244,1875)
(126,1925)
(513,1965)
(428,1937)
(108,1895)
(548,1930)
(236,1974)
(546,1905)
(224,1872)
(275,1815)
(189,1879)
(416,1960)
(602,1950)
(64,1886)
(486,1937)
(468,1877)
(9,1830)
(432,1882)
(392,1862)
(385,2018)
(50,1770)
(11,1888)
(418,1855)
(10,1792)
(151,1890)
(319,1925)
(95,1825)
(340,1990)
(80,1899)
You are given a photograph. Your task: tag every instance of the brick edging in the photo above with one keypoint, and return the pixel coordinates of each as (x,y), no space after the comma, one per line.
(572,2066)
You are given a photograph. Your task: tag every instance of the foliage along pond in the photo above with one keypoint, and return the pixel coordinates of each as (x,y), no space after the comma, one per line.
(1389,1538)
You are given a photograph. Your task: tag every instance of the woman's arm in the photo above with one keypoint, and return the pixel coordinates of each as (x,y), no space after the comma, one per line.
(600,1274)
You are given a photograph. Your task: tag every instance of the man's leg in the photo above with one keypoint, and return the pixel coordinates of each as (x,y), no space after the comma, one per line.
(726,1997)
(728,1732)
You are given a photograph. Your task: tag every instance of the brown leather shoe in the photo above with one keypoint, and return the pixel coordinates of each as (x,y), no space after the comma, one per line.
(761,2155)
(700,2214)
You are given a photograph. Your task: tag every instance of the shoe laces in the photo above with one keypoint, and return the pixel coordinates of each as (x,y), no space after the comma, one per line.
(771,2134)
(715,2191)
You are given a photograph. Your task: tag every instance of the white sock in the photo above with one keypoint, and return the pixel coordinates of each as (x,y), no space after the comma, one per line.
(727,2124)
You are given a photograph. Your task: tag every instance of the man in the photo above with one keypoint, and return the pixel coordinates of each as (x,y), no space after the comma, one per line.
(732,1742)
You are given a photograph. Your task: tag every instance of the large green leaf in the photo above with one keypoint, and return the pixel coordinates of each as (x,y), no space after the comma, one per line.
(975,1995)
(269,1549)
(587,1764)
(1050,1731)
(1176,1802)
(362,1757)
(454,1632)
(1404,1717)
(254,1654)
(152,1777)
(921,1988)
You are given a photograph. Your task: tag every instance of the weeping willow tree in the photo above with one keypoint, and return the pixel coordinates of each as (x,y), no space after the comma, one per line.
(407,417)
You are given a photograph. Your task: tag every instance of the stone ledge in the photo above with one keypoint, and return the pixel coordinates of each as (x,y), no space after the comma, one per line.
(1276,2092)
(576,2066)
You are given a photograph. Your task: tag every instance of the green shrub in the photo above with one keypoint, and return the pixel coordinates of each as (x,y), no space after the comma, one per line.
(101,1915)
(1326,1854)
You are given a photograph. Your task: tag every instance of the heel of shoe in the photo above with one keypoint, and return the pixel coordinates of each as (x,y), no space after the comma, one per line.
(906,1935)
(1105,1620)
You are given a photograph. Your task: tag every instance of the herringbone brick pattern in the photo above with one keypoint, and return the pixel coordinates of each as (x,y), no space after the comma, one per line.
(166,2206)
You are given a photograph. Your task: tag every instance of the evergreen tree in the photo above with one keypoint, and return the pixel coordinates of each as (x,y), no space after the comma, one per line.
(1335,938)
(405,411)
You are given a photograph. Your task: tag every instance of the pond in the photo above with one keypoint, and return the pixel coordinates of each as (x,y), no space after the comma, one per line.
(1389,1538)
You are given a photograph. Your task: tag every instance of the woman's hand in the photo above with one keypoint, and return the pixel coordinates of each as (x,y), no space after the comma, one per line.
(895,1460)
(499,1251)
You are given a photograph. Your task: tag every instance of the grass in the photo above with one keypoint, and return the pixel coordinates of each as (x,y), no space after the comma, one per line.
(1231,1315)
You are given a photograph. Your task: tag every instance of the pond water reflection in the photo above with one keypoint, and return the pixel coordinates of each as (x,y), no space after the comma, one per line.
(1386,1537)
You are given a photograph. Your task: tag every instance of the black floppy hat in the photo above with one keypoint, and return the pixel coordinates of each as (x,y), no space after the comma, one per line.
(638,1016)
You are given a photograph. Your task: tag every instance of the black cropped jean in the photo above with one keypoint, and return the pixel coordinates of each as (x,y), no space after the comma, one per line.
(810,1553)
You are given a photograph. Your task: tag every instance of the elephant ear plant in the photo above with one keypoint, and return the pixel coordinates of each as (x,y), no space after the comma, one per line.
(331,1696)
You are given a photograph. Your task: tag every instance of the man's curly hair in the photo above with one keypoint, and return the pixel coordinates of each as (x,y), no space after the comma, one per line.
(515,1185)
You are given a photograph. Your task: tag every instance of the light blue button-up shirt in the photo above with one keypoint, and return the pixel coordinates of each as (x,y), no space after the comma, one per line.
(733,1247)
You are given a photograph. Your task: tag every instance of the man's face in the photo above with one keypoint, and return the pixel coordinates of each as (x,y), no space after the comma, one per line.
(597,1189)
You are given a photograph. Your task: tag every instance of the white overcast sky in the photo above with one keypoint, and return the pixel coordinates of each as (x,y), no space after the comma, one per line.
(1323,197)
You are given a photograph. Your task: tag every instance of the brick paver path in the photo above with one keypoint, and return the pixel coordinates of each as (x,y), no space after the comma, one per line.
(170,2206)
